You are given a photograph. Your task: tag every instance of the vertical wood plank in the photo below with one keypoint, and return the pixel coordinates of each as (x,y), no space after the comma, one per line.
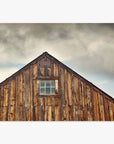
(16,99)
(56,70)
(100,99)
(31,95)
(62,82)
(85,102)
(70,88)
(0,104)
(106,110)
(111,111)
(89,104)
(27,95)
(35,89)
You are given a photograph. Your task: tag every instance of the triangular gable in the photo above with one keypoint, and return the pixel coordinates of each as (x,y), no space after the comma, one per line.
(43,61)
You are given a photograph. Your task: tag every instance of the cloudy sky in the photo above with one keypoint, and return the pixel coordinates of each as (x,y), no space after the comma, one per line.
(86,48)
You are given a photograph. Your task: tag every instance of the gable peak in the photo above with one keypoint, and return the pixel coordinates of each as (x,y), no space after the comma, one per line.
(45,53)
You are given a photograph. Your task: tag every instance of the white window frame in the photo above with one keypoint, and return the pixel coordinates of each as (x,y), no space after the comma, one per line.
(45,86)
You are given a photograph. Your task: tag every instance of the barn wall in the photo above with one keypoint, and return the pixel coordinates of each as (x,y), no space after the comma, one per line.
(77,100)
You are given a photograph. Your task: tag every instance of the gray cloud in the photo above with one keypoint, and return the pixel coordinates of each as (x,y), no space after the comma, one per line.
(87,46)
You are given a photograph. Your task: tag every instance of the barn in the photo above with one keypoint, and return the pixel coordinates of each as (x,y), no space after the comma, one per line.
(47,90)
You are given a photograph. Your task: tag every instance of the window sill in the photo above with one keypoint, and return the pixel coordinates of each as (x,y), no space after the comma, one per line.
(39,96)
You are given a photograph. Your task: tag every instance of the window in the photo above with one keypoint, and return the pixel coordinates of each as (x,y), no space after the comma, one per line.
(48,87)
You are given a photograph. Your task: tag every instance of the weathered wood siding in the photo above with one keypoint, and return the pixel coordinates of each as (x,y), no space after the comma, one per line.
(77,99)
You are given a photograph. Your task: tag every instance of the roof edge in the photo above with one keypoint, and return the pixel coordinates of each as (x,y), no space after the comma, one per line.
(79,76)
(23,68)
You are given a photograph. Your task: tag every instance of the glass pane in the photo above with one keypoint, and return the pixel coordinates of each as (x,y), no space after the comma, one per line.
(42,91)
(48,87)
(52,83)
(47,90)
(53,90)
(47,83)
(42,83)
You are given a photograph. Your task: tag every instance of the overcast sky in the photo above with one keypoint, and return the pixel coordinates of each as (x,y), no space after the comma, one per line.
(86,48)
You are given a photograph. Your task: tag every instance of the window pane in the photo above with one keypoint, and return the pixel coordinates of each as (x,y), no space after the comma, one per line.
(42,90)
(53,90)
(42,83)
(52,83)
(47,90)
(48,87)
(47,83)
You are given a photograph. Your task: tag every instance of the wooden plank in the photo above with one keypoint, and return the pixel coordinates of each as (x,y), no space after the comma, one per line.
(108,102)
(63,111)
(32,89)
(2,98)
(45,109)
(42,72)
(17,87)
(99,115)
(35,86)
(82,101)
(49,113)
(62,86)
(36,114)
(23,96)
(41,108)
(6,92)
(12,101)
(49,101)
(20,113)
(0,104)
(85,103)
(92,103)
(75,90)
(53,113)
(66,87)
(48,72)
(66,113)
(35,71)
(16,98)
(111,111)
(62,95)
(35,93)
(71,113)
(102,108)
(76,113)
(100,100)
(99,106)
(20,85)
(5,113)
(27,95)
(56,70)
(106,110)
(74,95)
(5,103)
(70,88)
(80,112)
(31,96)
(77,99)
(95,104)
(57,113)
(89,103)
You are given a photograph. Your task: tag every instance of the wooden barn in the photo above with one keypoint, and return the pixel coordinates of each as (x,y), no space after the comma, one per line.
(47,90)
